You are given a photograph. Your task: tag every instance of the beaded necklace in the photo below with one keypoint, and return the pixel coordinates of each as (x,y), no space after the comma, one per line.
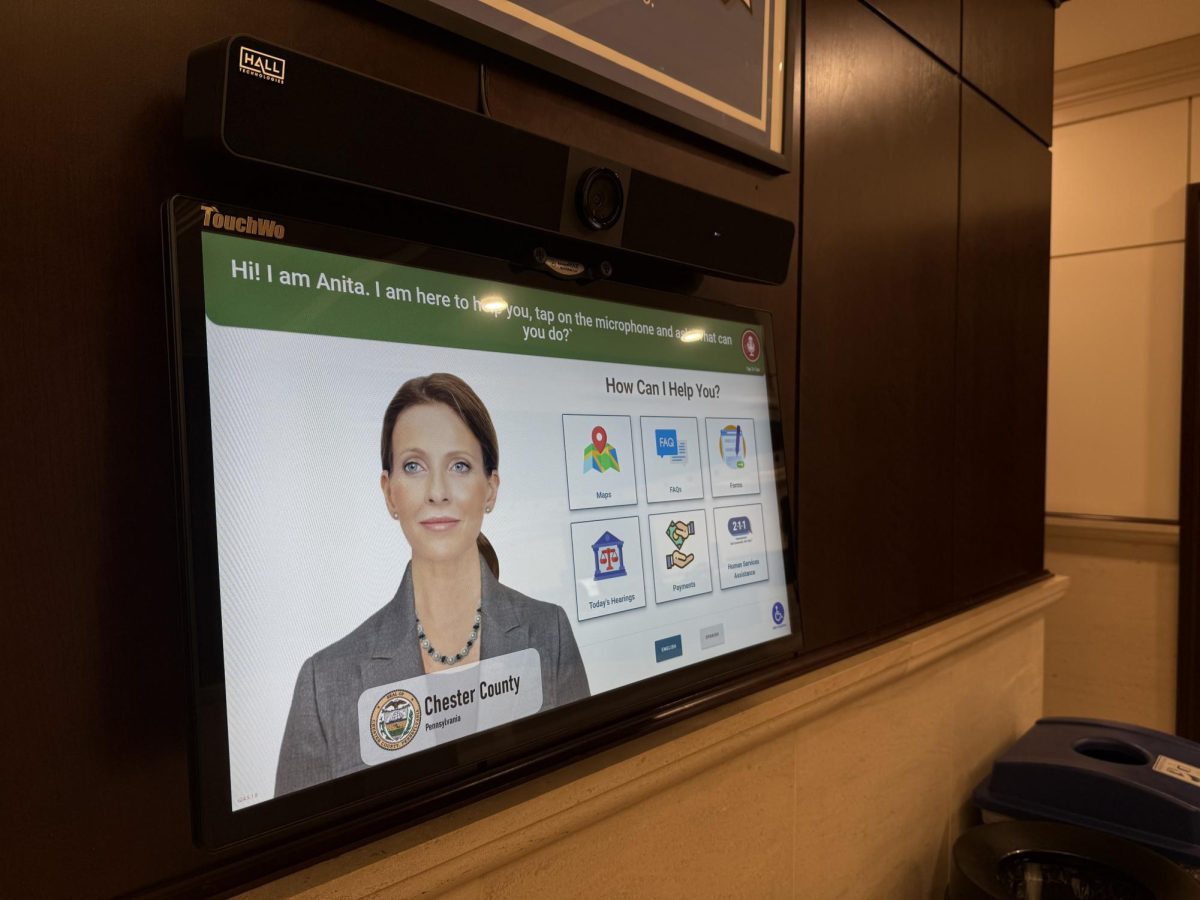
(461,654)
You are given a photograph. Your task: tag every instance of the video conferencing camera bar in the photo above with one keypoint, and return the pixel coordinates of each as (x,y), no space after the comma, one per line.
(252,101)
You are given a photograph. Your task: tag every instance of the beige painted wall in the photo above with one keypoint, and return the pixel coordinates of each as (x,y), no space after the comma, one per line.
(1087,30)
(1125,149)
(850,782)
(1116,312)
(1111,642)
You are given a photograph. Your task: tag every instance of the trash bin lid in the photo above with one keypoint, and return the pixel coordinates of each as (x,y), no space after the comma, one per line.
(1129,781)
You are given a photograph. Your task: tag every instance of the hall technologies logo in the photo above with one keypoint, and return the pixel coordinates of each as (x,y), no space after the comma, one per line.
(261,65)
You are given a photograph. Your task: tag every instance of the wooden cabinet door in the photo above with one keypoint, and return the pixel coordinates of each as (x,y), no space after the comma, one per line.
(877,308)
(1008,54)
(1000,375)
(934,24)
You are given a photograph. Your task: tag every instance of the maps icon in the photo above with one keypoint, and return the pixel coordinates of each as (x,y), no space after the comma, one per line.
(600,455)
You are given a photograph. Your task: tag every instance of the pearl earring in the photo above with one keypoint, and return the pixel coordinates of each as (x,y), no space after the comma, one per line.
(395,515)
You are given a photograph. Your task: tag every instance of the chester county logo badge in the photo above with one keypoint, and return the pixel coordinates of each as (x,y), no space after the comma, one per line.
(395,719)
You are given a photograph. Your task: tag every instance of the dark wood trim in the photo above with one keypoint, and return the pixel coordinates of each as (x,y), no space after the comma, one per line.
(1187,698)
(1122,520)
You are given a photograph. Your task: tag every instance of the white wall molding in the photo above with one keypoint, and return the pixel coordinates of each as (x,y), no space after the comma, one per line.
(1146,77)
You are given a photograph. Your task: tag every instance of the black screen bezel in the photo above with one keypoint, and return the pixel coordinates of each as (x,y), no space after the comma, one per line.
(434,780)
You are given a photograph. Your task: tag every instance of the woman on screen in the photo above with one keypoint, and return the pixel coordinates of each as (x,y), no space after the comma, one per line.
(440,478)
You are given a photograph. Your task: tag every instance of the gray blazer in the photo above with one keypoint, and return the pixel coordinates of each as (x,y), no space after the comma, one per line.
(321,739)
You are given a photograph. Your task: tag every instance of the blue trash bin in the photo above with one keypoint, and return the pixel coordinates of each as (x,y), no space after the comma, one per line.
(1133,782)
(1053,861)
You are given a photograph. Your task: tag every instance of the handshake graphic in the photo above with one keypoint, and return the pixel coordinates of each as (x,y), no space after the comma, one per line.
(679,532)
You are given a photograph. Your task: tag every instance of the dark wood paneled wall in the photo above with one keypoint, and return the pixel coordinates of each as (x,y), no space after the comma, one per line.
(1001,348)
(1187,678)
(934,24)
(897,523)
(877,324)
(924,288)
(1008,55)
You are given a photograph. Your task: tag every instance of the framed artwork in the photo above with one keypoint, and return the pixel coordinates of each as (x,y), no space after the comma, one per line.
(716,67)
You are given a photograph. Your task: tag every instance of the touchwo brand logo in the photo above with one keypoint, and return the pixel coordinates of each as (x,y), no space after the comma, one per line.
(214,218)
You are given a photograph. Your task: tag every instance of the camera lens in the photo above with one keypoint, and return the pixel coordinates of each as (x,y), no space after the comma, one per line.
(600,198)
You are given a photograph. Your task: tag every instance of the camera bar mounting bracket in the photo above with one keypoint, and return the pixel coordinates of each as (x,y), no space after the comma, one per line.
(249,101)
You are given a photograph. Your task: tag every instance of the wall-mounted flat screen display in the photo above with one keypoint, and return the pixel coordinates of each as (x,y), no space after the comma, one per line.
(440,513)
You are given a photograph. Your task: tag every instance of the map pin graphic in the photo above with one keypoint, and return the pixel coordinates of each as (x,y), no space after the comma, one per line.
(599,438)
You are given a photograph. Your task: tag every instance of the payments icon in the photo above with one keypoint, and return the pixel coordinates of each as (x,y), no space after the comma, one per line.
(679,532)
